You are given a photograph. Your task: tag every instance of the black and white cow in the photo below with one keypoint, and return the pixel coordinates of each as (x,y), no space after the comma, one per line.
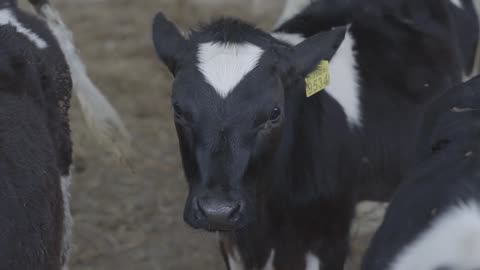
(279,173)
(464,19)
(433,221)
(35,144)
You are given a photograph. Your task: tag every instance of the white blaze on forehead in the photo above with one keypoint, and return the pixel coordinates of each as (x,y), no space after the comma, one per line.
(312,262)
(453,240)
(457,3)
(224,65)
(7,17)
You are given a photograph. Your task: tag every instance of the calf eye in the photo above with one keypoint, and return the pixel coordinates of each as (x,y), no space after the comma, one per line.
(275,114)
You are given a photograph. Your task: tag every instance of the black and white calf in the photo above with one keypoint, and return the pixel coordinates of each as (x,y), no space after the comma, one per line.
(433,221)
(35,144)
(279,173)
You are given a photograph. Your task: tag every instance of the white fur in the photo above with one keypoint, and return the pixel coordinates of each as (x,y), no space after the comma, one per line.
(100,116)
(65,182)
(7,17)
(289,38)
(344,87)
(476,69)
(457,3)
(271,259)
(368,217)
(235,261)
(312,262)
(344,77)
(225,65)
(291,9)
(453,240)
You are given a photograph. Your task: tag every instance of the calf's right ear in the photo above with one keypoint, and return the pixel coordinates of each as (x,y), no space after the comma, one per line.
(169,43)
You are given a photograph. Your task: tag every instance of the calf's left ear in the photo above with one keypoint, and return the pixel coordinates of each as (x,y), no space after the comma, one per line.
(313,50)
(169,43)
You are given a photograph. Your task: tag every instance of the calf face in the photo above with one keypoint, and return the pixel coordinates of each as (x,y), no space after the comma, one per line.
(229,101)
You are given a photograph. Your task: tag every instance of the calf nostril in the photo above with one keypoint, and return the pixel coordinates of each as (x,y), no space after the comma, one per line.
(235,212)
(200,208)
(218,214)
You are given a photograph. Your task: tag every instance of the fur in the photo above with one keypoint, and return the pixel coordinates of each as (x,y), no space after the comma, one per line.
(441,230)
(35,89)
(298,173)
(99,114)
(225,65)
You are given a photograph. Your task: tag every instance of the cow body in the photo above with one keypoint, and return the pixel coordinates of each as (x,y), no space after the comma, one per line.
(368,156)
(285,199)
(36,145)
(433,220)
(36,59)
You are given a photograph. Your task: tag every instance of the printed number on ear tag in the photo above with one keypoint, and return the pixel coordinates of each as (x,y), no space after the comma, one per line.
(319,79)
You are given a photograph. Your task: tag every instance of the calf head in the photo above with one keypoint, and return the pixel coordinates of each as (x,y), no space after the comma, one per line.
(230,110)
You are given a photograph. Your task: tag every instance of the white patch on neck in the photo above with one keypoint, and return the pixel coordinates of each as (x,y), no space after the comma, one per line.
(343,86)
(7,17)
(312,262)
(289,38)
(291,9)
(453,240)
(235,261)
(457,3)
(271,259)
(65,182)
(344,77)
(225,65)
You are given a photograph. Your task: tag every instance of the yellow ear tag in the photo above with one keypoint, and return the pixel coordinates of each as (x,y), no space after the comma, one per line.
(319,79)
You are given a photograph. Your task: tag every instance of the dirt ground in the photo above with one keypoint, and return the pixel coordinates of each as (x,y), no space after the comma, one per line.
(124,219)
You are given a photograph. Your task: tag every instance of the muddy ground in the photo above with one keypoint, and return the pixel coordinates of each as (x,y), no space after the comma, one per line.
(127,220)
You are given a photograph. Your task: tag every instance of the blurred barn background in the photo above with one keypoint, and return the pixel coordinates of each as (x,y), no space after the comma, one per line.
(129,216)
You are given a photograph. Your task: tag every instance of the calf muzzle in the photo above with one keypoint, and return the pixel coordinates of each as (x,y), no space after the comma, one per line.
(214,214)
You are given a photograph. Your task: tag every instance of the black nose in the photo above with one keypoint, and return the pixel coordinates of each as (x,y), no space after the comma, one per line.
(220,215)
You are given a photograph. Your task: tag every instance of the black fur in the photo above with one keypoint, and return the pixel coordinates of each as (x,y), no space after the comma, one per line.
(467,26)
(447,176)
(36,149)
(8,3)
(321,15)
(298,178)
